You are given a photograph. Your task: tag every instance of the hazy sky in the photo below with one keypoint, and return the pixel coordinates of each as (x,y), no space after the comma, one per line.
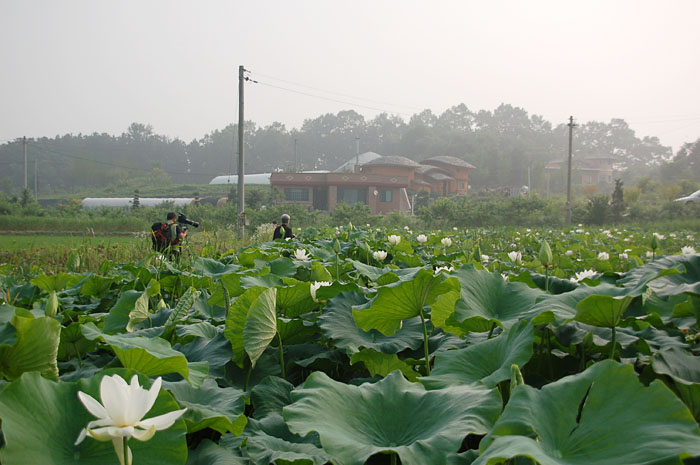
(83,66)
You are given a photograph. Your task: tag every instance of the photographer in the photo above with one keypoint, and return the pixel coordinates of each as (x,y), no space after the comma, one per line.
(177,234)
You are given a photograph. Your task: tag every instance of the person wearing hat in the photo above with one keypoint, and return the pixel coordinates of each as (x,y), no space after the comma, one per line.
(283,231)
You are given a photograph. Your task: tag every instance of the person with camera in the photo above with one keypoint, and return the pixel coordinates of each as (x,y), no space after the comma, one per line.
(177,234)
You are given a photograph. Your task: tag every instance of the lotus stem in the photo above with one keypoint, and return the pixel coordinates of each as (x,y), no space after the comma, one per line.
(546,279)
(614,343)
(247,378)
(125,439)
(393,458)
(279,338)
(425,343)
(493,326)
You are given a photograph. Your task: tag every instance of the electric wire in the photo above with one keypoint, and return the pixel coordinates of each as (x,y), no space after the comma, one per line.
(337,93)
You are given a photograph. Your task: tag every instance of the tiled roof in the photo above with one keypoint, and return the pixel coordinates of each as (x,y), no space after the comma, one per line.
(393,160)
(448,160)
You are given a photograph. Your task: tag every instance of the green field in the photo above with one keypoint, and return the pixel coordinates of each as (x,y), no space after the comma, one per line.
(48,241)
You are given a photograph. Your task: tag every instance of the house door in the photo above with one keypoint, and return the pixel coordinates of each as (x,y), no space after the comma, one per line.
(320,198)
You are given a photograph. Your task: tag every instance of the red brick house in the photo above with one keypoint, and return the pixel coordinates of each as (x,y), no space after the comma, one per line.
(380,183)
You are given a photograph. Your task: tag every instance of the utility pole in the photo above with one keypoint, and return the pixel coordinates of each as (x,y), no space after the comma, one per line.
(296,160)
(241,156)
(568,176)
(24,142)
(36,179)
(357,150)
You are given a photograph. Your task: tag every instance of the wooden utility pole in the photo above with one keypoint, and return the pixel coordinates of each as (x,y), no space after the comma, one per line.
(24,142)
(241,156)
(296,160)
(568,176)
(36,178)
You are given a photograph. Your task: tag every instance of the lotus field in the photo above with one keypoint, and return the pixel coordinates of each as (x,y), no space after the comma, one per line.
(357,345)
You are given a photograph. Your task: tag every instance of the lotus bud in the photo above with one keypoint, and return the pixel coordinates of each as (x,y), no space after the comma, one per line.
(336,246)
(516,378)
(477,254)
(51,305)
(654,242)
(545,255)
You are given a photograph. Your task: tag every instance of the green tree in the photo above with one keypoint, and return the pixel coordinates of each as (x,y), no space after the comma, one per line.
(617,205)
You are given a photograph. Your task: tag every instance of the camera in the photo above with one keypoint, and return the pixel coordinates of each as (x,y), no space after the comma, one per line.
(182,219)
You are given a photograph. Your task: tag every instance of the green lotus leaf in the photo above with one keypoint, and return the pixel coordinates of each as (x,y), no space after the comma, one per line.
(378,363)
(294,298)
(202,329)
(561,308)
(422,427)
(235,322)
(139,313)
(270,441)
(96,286)
(485,299)
(210,406)
(118,316)
(151,356)
(488,362)
(51,439)
(35,347)
(672,265)
(684,369)
(209,453)
(402,300)
(270,396)
(678,283)
(319,272)
(212,268)
(442,310)
(283,267)
(260,325)
(266,281)
(216,352)
(603,416)
(55,283)
(73,343)
(338,324)
(602,310)
(295,331)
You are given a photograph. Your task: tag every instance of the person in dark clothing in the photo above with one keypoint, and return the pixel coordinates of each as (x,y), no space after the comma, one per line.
(283,231)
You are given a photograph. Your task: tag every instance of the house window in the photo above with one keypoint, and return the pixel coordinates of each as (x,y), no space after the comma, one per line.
(296,194)
(386,195)
(461,185)
(352,196)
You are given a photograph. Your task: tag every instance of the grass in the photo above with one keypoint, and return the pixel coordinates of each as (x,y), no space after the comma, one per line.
(29,253)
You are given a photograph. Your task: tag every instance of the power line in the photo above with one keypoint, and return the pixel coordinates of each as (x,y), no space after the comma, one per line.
(332,99)
(337,93)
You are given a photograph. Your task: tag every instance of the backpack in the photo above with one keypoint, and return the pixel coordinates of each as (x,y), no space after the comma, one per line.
(161,237)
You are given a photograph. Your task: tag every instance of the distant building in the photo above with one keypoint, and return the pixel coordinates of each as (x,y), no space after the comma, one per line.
(585,171)
(377,181)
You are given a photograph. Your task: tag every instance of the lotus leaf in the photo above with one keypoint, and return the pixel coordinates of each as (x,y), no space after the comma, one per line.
(603,416)
(488,362)
(422,427)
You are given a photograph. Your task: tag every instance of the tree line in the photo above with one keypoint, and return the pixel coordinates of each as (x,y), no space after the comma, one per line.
(503,144)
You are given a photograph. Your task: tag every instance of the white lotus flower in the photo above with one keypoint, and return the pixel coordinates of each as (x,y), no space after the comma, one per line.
(579,231)
(316,286)
(660,237)
(440,269)
(673,235)
(422,238)
(454,228)
(505,277)
(300,254)
(406,228)
(379,255)
(120,414)
(394,239)
(624,256)
(569,253)
(581,275)
(688,250)
(650,254)
(515,256)
(603,256)
(446,241)
(485,259)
